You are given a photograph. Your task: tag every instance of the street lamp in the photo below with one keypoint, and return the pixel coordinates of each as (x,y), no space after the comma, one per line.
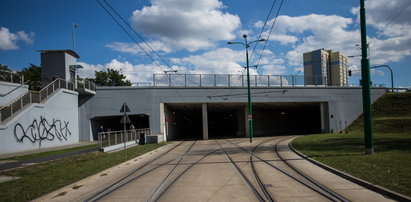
(392,76)
(250,107)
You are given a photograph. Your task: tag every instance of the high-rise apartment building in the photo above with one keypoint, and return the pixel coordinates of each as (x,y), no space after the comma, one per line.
(325,67)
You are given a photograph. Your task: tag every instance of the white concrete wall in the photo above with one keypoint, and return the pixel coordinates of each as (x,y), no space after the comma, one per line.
(53,123)
(6,96)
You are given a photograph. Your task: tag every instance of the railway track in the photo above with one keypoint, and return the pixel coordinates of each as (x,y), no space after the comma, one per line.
(286,169)
(260,166)
(135,174)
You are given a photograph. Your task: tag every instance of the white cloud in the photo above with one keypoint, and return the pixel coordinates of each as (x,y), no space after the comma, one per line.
(219,61)
(8,40)
(381,13)
(392,43)
(229,61)
(141,73)
(183,24)
(135,49)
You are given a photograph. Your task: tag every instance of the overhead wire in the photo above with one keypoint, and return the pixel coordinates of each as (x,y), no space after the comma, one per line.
(269,34)
(259,36)
(131,37)
(134,40)
(395,17)
(263,28)
(142,39)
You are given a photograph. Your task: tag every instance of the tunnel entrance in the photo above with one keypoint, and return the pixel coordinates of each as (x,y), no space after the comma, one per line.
(112,123)
(272,119)
(184,121)
(225,120)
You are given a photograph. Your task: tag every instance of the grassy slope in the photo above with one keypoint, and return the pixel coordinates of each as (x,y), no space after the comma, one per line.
(389,166)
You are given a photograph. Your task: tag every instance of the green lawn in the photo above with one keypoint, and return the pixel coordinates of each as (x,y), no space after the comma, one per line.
(388,167)
(43,178)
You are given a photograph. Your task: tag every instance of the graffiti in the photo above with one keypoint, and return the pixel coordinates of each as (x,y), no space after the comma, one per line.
(42,130)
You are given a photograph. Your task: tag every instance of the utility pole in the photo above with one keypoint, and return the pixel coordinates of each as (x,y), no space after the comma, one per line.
(246,44)
(366,83)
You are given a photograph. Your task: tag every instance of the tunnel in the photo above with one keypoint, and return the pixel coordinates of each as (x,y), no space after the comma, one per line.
(112,123)
(274,119)
(226,120)
(184,121)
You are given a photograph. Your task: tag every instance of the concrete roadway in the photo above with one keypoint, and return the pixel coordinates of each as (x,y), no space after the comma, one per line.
(202,171)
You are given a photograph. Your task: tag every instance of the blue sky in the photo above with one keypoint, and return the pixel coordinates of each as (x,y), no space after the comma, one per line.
(191,36)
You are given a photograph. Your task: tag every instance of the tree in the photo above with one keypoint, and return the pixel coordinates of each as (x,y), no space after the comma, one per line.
(32,75)
(4,68)
(111,78)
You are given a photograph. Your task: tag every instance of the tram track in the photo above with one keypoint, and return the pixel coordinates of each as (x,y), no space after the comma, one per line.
(249,174)
(252,187)
(298,175)
(129,177)
(319,185)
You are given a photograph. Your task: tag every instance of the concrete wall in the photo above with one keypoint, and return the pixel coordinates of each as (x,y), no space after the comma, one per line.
(11,91)
(343,105)
(53,123)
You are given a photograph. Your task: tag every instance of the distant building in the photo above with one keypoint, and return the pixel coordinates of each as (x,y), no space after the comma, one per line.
(325,67)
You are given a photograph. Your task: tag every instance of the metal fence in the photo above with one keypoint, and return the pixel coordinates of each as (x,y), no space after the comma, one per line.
(229,80)
(15,106)
(111,138)
(11,77)
(87,84)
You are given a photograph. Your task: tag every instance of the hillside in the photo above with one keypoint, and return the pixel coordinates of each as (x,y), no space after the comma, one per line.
(391,113)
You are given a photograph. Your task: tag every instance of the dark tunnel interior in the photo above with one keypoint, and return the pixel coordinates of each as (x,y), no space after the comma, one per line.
(229,120)
(112,123)
(287,119)
(184,121)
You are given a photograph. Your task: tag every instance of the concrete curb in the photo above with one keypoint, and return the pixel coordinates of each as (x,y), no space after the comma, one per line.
(363,183)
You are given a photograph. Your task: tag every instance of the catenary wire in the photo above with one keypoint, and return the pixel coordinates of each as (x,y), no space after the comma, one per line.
(269,34)
(142,39)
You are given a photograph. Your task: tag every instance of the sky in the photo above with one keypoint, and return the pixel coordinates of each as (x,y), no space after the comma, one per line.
(191,36)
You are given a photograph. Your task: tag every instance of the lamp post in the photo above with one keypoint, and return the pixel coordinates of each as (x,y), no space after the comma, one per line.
(250,105)
(392,75)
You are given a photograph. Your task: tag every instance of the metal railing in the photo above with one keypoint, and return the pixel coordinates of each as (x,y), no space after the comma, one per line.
(230,80)
(111,138)
(9,111)
(87,84)
(11,77)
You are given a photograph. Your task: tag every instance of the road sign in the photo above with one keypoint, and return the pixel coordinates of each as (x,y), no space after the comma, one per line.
(124,108)
(125,119)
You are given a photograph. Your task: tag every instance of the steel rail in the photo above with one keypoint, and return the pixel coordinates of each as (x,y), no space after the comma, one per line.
(288,174)
(160,195)
(253,189)
(157,189)
(319,185)
(103,192)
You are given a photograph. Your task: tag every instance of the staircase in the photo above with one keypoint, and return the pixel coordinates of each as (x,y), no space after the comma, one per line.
(9,111)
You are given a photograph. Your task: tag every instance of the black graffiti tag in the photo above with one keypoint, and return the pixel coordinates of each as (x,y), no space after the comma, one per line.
(42,130)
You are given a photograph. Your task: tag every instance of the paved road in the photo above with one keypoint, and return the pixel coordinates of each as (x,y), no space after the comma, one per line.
(216,170)
(18,164)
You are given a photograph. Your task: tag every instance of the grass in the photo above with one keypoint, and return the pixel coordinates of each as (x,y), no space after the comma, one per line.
(49,153)
(41,179)
(390,165)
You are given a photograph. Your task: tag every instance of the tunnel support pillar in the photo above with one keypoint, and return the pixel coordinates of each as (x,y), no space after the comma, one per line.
(163,122)
(205,121)
(247,126)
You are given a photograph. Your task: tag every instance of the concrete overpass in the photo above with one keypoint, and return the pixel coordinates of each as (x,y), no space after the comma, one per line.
(189,111)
